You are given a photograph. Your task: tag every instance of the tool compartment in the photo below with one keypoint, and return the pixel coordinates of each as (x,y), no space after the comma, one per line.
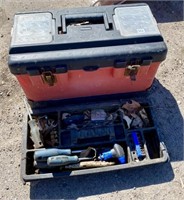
(99,134)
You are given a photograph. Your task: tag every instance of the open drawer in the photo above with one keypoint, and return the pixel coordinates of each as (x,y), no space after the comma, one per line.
(100,125)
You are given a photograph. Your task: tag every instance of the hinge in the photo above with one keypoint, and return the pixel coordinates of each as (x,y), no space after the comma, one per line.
(48,78)
(132,71)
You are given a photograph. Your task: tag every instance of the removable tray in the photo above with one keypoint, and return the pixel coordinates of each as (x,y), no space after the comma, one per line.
(118,132)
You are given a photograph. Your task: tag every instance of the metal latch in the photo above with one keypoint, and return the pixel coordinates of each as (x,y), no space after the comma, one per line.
(132,71)
(49,78)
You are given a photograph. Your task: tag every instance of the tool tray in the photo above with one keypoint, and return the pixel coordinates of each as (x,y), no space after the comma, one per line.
(101,135)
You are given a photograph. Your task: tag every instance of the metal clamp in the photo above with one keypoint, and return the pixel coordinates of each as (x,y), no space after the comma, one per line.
(49,78)
(132,71)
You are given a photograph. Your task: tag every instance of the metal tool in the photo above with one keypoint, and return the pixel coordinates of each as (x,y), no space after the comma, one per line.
(81,165)
(89,164)
(63,160)
(116,152)
(41,165)
(98,115)
(34,129)
(139,147)
(48,130)
(42,155)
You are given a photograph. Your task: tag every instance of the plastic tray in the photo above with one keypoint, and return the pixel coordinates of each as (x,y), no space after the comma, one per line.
(155,150)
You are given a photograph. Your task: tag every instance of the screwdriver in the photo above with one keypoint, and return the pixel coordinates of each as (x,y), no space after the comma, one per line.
(34,129)
(56,161)
(42,155)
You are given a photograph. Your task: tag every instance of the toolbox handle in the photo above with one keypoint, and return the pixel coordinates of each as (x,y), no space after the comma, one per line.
(79,19)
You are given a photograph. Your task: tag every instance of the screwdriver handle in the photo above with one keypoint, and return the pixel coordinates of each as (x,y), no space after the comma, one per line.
(42,155)
(116,152)
(56,161)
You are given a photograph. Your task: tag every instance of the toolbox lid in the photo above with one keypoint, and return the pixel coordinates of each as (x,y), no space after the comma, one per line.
(83,37)
(32,28)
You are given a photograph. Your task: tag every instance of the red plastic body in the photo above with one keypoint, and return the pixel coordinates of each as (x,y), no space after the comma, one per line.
(80,83)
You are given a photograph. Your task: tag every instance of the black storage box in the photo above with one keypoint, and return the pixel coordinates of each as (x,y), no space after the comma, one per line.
(114,132)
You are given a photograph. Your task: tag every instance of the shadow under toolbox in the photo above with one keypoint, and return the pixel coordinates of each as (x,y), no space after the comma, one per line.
(91,137)
(85,51)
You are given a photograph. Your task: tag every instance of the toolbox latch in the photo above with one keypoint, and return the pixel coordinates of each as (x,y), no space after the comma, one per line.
(48,78)
(132,71)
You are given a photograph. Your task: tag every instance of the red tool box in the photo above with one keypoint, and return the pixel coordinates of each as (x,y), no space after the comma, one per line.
(85,51)
(79,68)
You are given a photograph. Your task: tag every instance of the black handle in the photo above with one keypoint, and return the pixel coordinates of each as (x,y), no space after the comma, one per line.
(77,19)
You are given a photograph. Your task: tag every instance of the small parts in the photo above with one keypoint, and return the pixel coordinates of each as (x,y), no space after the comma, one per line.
(48,131)
(134,115)
(98,115)
(127,119)
(144,117)
(88,119)
(43,132)
(131,107)
(136,122)
(53,138)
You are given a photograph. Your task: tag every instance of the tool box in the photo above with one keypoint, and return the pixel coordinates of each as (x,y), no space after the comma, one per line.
(98,123)
(83,71)
(83,52)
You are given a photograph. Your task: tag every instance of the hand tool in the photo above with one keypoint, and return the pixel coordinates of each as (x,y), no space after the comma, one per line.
(116,152)
(56,161)
(139,147)
(81,165)
(34,130)
(41,165)
(89,152)
(89,164)
(42,155)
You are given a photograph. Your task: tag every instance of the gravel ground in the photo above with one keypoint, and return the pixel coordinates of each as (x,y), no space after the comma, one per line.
(152,182)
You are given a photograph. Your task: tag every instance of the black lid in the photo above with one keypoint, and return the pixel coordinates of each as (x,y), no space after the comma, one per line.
(76,38)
